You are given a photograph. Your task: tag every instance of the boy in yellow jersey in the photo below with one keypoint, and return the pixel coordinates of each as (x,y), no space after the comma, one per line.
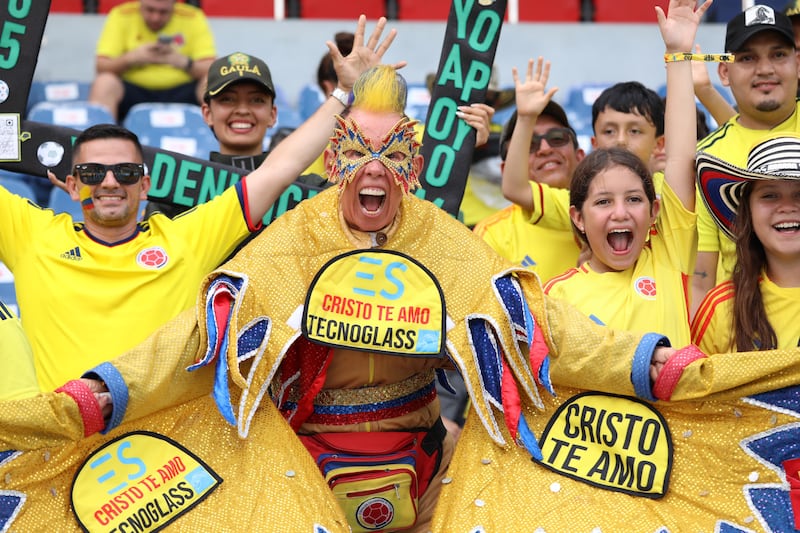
(90,291)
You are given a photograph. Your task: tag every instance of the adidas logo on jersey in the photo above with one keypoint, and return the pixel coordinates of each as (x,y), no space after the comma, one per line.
(73,254)
(527,261)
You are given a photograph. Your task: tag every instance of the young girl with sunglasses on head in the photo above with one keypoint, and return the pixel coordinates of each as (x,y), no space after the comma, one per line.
(759,208)
(642,247)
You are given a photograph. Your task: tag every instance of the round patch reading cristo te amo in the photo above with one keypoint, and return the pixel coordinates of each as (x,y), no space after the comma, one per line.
(380,301)
(611,442)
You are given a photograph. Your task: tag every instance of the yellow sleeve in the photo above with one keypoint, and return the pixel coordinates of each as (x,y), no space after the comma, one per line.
(707,230)
(732,376)
(155,372)
(17,373)
(550,207)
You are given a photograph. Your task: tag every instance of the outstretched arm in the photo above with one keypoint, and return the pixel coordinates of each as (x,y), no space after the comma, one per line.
(678,29)
(709,96)
(297,151)
(531,99)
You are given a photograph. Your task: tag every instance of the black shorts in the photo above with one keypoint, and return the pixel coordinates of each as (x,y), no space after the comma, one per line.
(134,94)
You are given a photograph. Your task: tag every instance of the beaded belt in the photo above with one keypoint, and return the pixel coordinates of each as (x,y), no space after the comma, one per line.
(368,404)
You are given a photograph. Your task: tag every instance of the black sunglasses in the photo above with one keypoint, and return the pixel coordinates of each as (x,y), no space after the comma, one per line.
(95,173)
(555,137)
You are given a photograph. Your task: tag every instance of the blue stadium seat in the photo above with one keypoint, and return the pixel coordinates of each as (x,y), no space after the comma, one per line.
(78,114)
(288,115)
(578,105)
(16,184)
(57,91)
(309,100)
(724,91)
(175,127)
(501,116)
(418,101)
(61,202)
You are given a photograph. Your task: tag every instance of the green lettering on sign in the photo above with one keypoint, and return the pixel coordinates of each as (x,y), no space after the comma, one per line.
(186,180)
(161,175)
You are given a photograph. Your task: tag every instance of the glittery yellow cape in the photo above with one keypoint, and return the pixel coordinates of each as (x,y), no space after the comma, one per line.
(268,480)
(726,470)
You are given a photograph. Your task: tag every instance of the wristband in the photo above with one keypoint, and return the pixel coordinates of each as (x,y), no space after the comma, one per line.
(345,98)
(188,66)
(688,56)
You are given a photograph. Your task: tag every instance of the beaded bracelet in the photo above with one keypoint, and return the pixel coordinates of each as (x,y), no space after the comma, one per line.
(688,56)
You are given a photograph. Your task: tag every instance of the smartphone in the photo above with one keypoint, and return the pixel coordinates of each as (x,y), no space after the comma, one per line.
(165,39)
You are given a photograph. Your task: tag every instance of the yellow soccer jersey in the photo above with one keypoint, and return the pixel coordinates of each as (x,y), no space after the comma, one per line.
(712,328)
(651,296)
(83,301)
(546,251)
(125,30)
(731,142)
(17,374)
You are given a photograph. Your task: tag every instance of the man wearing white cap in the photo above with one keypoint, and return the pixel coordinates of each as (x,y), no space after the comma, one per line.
(763,80)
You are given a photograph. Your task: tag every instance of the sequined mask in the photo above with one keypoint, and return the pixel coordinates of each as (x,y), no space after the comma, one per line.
(353,150)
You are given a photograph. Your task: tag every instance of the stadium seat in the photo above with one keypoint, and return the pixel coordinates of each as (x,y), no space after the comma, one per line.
(66,6)
(16,184)
(344,9)
(562,11)
(419,99)
(638,11)
(104,6)
(288,115)
(724,91)
(579,103)
(78,114)
(429,10)
(57,91)
(61,202)
(175,127)
(239,8)
(309,100)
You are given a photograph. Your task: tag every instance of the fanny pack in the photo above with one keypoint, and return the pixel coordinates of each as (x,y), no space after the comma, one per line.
(378,477)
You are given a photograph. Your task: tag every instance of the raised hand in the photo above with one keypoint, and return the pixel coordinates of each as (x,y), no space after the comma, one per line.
(679,26)
(363,56)
(479,116)
(531,96)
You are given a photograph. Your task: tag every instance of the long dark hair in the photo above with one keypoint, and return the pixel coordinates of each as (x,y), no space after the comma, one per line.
(751,327)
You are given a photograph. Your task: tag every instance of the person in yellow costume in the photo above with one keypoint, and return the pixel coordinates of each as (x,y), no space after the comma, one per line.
(335,336)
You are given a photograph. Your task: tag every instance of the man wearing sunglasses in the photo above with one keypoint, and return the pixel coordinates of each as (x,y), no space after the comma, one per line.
(90,291)
(554,154)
